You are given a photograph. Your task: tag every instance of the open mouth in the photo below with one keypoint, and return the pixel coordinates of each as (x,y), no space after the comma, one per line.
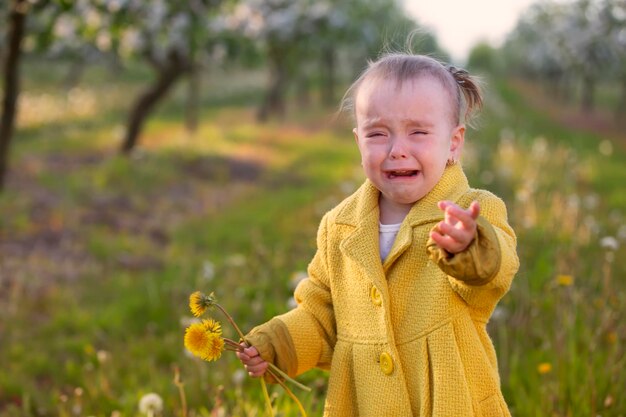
(402,173)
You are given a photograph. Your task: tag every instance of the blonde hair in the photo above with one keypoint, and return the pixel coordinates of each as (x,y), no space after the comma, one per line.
(402,67)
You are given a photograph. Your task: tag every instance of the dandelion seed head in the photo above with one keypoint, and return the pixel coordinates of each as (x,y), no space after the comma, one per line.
(208,271)
(610,243)
(103,356)
(151,403)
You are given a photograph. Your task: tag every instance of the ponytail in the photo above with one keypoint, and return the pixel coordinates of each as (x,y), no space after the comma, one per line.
(470,88)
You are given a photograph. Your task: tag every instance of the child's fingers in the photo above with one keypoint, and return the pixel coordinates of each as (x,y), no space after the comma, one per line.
(258,370)
(455,214)
(446,242)
(255,366)
(454,232)
(474,209)
(252,361)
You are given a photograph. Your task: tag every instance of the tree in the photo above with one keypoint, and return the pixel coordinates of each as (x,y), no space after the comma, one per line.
(613,17)
(18,11)
(483,57)
(304,40)
(556,42)
(169,36)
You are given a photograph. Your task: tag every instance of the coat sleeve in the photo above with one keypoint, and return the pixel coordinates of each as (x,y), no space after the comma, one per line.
(304,337)
(482,273)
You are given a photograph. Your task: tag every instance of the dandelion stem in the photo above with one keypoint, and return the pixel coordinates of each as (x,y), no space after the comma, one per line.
(292,395)
(278,371)
(229,343)
(268,402)
(232,322)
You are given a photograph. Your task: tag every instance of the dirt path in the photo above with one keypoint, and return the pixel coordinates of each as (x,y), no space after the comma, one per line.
(601,122)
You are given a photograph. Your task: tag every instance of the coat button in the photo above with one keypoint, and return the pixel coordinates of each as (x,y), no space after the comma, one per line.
(386,363)
(377,299)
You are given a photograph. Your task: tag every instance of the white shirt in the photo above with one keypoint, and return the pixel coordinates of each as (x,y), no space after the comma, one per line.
(387,235)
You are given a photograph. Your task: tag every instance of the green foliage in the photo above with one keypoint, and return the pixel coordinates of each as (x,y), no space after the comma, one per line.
(484,58)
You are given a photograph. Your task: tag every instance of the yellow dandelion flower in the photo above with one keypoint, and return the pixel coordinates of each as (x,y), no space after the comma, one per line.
(212,326)
(196,339)
(205,340)
(544,368)
(196,304)
(611,337)
(565,280)
(199,302)
(214,348)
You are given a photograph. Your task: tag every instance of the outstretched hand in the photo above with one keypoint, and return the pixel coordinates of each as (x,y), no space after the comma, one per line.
(455,233)
(252,361)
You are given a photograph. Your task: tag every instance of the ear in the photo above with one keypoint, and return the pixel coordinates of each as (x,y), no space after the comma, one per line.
(457,140)
(355,132)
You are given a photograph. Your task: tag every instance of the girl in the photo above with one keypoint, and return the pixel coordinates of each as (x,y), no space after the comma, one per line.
(409,268)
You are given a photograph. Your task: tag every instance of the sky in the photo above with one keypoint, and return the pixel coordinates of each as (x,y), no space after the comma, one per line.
(460,24)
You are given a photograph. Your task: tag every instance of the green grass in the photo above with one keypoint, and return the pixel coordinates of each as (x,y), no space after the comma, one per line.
(103,251)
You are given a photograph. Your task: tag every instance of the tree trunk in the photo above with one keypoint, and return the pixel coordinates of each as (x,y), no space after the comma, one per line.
(75,72)
(620,110)
(328,88)
(303,86)
(587,93)
(15,34)
(193,99)
(274,101)
(168,75)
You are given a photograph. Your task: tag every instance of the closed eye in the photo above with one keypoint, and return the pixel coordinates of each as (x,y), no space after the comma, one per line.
(374,134)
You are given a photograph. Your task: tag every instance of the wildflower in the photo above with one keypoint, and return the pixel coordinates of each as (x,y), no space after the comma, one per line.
(565,280)
(611,337)
(151,404)
(544,368)
(610,243)
(239,376)
(103,356)
(205,340)
(199,302)
(208,271)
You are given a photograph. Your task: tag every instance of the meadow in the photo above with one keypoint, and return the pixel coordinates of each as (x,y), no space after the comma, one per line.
(99,252)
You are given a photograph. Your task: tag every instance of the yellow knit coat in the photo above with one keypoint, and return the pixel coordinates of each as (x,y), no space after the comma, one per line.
(405,337)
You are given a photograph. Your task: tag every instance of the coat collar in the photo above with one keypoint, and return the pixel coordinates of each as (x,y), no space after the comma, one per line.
(363,204)
(361,211)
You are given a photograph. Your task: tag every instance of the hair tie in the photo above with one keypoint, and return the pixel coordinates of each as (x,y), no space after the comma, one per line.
(459,74)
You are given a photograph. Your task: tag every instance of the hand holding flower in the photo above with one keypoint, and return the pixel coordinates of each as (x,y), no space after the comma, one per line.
(252,361)
(204,339)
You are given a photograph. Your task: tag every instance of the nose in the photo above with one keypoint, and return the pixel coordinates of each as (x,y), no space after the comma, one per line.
(398,149)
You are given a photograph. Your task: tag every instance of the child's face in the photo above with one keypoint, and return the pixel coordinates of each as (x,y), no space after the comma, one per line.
(405,136)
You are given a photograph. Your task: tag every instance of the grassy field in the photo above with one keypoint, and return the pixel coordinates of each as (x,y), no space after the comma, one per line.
(99,252)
